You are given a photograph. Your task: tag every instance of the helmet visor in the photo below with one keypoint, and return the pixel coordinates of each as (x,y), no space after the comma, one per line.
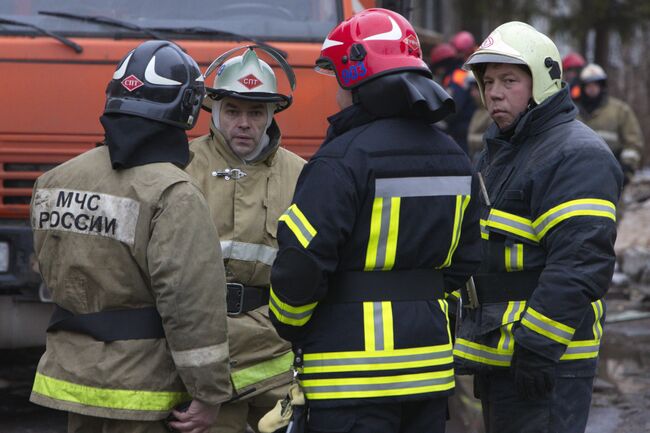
(491,58)
(325,66)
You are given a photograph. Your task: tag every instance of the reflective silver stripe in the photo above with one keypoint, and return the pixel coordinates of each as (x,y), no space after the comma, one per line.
(379,386)
(548,328)
(460,347)
(248,252)
(378,320)
(574,350)
(383,233)
(201,357)
(608,136)
(512,316)
(632,155)
(376,359)
(296,220)
(539,228)
(426,186)
(510,223)
(289,314)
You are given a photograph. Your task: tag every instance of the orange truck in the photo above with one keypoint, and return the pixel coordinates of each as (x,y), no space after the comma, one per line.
(56,59)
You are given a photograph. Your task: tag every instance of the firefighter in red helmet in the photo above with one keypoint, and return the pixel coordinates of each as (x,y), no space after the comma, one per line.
(383,223)
(572,65)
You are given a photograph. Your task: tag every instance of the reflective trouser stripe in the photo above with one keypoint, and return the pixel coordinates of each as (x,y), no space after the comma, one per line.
(124,399)
(573,208)
(384,228)
(386,386)
(331,362)
(514,257)
(299,225)
(262,371)
(288,314)
(378,325)
(482,354)
(547,327)
(459,214)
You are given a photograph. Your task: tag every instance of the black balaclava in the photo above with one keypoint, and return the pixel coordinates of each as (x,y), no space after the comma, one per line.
(134,141)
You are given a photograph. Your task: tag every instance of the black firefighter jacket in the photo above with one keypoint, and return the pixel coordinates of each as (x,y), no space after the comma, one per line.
(383,219)
(553,187)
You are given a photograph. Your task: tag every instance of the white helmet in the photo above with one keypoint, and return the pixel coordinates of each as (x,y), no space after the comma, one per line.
(247,77)
(519,43)
(591,73)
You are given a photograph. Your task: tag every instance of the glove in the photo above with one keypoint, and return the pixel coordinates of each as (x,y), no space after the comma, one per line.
(534,374)
(284,412)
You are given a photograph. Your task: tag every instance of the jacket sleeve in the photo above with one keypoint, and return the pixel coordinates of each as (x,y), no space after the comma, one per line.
(310,233)
(631,139)
(574,215)
(188,281)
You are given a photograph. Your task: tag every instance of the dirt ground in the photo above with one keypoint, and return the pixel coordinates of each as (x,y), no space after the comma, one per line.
(621,400)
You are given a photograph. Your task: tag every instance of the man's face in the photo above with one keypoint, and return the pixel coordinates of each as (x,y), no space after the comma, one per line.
(507,90)
(242,124)
(593,89)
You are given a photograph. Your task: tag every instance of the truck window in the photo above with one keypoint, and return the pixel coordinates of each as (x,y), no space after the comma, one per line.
(279,20)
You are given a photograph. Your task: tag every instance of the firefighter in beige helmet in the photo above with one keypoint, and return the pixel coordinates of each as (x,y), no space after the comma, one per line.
(611,118)
(124,242)
(248,180)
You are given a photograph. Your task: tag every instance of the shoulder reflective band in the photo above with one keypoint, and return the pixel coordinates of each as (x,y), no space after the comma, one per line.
(262,371)
(123,399)
(547,327)
(426,186)
(573,208)
(111,325)
(299,225)
(288,314)
(384,386)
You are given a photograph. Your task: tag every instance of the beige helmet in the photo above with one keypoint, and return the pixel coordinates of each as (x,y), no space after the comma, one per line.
(591,73)
(519,43)
(249,78)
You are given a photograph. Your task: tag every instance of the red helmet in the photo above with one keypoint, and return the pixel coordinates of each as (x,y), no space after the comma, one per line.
(573,60)
(442,52)
(372,43)
(464,42)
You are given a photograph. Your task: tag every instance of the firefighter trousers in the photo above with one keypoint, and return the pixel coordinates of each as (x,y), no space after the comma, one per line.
(423,416)
(564,411)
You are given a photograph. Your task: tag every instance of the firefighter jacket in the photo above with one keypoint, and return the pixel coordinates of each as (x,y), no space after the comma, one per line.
(382,220)
(617,124)
(246,201)
(457,124)
(125,240)
(477,126)
(548,237)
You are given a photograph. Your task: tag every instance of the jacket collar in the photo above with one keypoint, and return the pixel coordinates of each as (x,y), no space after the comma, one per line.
(346,120)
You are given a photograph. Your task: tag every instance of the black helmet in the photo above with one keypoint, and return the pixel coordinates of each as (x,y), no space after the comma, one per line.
(158,81)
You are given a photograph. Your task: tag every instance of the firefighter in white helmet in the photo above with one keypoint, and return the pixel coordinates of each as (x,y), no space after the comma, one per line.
(248,181)
(611,118)
(532,332)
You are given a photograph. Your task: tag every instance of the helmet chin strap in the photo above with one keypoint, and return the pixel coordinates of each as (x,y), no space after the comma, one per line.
(264,140)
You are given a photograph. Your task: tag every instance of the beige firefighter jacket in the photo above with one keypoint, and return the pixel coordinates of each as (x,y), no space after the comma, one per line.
(126,239)
(477,126)
(245,209)
(617,124)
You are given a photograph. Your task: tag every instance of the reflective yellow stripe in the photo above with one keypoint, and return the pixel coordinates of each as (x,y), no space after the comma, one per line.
(573,208)
(582,349)
(485,234)
(453,295)
(395,359)
(599,310)
(383,386)
(547,327)
(461,206)
(288,314)
(375,228)
(444,306)
(391,244)
(369,326)
(512,314)
(262,371)
(125,399)
(514,257)
(298,224)
(512,224)
(387,316)
(482,354)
